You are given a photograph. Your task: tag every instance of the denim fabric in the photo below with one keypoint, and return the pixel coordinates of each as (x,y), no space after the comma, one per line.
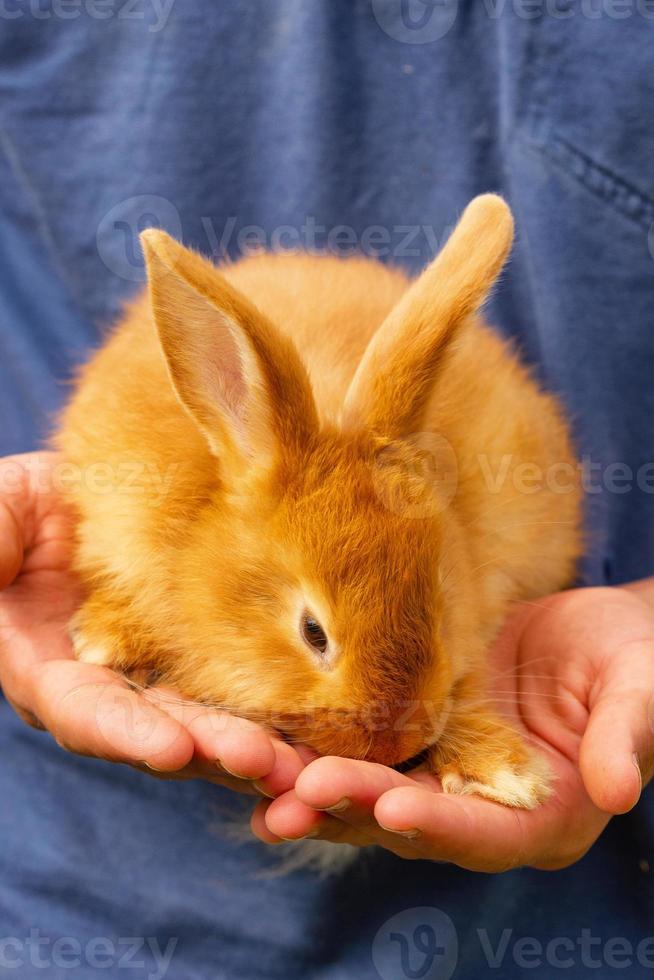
(299,117)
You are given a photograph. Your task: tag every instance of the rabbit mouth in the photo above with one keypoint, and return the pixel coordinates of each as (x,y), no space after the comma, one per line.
(415,760)
(423,755)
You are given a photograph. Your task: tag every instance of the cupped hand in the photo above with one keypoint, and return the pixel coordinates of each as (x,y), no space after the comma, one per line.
(575,672)
(92,710)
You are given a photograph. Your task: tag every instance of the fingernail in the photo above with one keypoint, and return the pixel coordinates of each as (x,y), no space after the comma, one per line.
(149,765)
(339,807)
(409,834)
(236,775)
(295,840)
(636,762)
(261,789)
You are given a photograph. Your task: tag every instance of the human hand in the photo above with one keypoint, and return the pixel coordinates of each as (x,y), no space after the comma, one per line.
(575,673)
(91,710)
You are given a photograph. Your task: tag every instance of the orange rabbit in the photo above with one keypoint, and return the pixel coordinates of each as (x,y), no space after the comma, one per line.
(265,537)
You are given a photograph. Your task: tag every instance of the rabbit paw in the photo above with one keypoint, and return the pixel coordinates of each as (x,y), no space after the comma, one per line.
(524,785)
(480,754)
(101,635)
(89,651)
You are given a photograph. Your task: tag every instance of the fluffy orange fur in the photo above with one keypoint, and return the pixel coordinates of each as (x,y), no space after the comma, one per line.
(249,445)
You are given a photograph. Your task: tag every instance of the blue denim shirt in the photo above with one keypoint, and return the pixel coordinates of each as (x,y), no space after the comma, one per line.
(330,125)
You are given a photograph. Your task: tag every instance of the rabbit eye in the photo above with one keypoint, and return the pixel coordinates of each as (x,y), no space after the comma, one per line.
(313,633)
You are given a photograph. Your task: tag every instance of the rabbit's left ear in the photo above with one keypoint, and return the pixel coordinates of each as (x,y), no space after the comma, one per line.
(396,375)
(241,381)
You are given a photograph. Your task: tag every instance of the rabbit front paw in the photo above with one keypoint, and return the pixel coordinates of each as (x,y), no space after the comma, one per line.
(89,651)
(102,635)
(524,786)
(481,755)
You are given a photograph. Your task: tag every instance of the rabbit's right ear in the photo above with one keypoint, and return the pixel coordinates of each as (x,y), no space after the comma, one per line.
(241,381)
(397,373)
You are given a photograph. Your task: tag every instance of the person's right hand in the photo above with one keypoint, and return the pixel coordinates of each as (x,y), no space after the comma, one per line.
(91,710)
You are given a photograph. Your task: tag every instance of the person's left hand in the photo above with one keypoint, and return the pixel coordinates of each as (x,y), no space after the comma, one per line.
(576,673)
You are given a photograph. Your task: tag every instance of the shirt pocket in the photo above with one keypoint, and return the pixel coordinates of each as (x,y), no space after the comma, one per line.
(584,96)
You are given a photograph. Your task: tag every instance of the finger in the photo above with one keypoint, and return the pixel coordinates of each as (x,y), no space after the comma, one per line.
(347,787)
(353,792)
(470,832)
(616,750)
(227,744)
(13,503)
(27,716)
(92,712)
(290,760)
(618,744)
(258,824)
(286,769)
(11,546)
(222,741)
(22,654)
(27,492)
(288,819)
(194,771)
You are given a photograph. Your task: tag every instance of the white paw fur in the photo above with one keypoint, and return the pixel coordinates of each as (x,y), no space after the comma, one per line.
(524,787)
(89,653)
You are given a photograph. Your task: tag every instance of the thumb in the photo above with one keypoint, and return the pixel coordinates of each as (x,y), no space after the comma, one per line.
(617,750)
